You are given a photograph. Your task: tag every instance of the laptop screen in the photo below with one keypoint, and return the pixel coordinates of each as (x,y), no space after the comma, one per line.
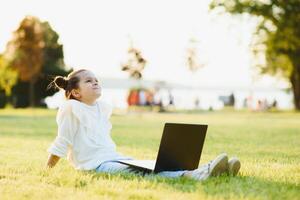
(180,147)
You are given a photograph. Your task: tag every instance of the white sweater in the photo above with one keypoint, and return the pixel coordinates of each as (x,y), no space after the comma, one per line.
(84,134)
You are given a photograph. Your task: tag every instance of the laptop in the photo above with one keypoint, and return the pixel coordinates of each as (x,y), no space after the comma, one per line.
(180,149)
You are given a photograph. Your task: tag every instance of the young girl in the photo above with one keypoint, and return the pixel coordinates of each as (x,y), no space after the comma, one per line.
(84,133)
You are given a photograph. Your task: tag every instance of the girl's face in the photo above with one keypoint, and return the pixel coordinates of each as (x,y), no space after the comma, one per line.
(89,89)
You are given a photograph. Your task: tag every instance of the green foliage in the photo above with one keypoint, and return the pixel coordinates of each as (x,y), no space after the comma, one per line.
(8,77)
(53,51)
(53,64)
(279,35)
(267,143)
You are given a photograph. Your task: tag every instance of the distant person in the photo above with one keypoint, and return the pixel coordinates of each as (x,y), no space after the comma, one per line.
(149,98)
(170,103)
(84,133)
(142,98)
(157,98)
(158,101)
(171,99)
(259,105)
(197,103)
(135,97)
(130,99)
(274,104)
(245,103)
(250,102)
(231,99)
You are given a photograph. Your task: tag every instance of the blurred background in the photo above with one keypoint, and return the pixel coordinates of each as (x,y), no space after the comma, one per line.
(154,55)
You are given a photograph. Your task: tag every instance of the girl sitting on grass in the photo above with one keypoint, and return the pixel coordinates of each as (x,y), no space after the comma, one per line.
(84,133)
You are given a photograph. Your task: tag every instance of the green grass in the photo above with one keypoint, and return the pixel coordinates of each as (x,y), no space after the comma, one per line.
(268,145)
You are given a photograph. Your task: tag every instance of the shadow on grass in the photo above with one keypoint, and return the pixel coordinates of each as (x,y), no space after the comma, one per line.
(224,187)
(246,186)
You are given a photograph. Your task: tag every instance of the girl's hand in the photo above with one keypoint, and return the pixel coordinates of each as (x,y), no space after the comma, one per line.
(52,160)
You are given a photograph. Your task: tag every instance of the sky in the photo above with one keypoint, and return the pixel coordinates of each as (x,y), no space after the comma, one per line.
(96,35)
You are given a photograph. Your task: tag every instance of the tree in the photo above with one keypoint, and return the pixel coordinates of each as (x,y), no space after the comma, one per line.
(25,51)
(192,57)
(49,64)
(278,33)
(135,64)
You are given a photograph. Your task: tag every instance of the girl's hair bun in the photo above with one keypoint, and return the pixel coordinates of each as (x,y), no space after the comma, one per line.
(61,82)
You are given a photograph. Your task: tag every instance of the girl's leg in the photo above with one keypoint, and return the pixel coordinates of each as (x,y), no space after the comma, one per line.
(218,166)
(117,167)
(175,174)
(215,167)
(171,174)
(114,167)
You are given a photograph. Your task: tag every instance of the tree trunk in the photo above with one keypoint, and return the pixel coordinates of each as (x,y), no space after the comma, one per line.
(32,93)
(295,80)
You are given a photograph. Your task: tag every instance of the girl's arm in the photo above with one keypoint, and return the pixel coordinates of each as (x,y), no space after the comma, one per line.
(67,127)
(52,160)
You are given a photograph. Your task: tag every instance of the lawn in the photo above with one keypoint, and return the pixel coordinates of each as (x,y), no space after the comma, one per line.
(268,145)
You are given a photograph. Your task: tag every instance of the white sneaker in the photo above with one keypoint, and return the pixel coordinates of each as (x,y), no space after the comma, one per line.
(215,167)
(234,166)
